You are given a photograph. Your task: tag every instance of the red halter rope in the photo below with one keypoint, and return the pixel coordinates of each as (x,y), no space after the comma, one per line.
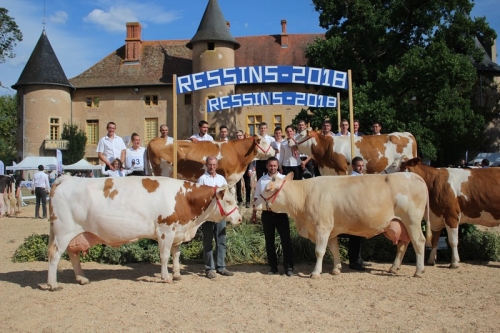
(221,209)
(259,147)
(312,135)
(272,196)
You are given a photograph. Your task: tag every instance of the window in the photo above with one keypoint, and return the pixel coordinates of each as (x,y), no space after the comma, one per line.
(55,128)
(150,100)
(92,132)
(253,122)
(278,122)
(211,46)
(151,125)
(187,99)
(92,101)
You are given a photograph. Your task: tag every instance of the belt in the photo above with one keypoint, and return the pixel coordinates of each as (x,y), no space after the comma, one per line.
(43,188)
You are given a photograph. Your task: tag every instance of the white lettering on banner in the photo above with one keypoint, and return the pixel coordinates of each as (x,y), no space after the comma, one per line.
(271,98)
(262,74)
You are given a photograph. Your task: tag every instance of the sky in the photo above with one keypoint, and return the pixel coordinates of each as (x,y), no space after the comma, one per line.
(82,32)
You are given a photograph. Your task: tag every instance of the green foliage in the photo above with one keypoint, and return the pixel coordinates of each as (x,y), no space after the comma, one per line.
(34,248)
(8,128)
(411,69)
(245,244)
(76,146)
(192,250)
(9,35)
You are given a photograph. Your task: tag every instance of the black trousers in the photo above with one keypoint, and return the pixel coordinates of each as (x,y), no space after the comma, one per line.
(41,197)
(260,168)
(248,190)
(354,249)
(137,173)
(296,172)
(270,222)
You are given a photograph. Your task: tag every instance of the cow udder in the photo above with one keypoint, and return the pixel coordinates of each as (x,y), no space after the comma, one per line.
(396,231)
(83,242)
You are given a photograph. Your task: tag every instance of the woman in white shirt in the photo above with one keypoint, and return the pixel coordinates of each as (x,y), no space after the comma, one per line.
(289,159)
(136,157)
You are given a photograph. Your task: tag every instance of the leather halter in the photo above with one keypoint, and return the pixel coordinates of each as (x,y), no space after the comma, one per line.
(221,209)
(272,196)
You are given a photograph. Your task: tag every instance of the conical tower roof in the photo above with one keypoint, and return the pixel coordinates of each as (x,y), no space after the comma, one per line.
(43,67)
(213,27)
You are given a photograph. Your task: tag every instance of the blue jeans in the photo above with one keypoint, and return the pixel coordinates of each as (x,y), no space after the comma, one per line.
(210,231)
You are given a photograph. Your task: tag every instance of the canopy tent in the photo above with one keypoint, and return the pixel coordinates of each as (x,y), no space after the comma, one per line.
(494,158)
(32,163)
(81,165)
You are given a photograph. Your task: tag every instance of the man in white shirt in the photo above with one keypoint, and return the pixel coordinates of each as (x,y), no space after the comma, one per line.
(260,166)
(164,133)
(272,221)
(111,147)
(306,166)
(344,128)
(212,229)
(326,128)
(376,128)
(203,135)
(223,133)
(42,187)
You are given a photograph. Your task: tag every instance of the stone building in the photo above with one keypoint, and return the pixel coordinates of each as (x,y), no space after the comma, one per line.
(132,86)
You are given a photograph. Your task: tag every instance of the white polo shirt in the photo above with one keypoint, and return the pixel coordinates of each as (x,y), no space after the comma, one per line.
(111,148)
(206,137)
(206,179)
(135,159)
(263,181)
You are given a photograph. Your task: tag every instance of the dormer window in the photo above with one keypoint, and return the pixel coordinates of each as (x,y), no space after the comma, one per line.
(211,46)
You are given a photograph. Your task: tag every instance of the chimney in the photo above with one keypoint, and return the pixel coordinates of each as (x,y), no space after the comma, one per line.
(228,24)
(133,43)
(494,51)
(284,35)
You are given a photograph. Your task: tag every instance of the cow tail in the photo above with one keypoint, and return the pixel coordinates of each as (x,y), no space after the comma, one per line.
(428,232)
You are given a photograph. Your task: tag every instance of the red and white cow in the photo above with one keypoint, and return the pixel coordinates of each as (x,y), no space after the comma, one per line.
(324,207)
(381,153)
(233,157)
(116,211)
(12,196)
(3,185)
(458,196)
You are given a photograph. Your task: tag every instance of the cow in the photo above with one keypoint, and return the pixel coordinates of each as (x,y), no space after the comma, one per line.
(458,196)
(116,211)
(233,157)
(324,207)
(13,194)
(381,153)
(3,185)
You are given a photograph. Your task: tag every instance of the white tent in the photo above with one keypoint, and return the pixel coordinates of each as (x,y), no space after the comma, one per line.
(32,163)
(494,158)
(81,165)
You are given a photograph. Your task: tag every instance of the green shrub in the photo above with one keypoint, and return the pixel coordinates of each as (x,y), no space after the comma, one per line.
(245,244)
(192,250)
(34,248)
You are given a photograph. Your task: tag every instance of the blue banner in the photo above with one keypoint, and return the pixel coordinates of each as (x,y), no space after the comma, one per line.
(271,98)
(262,74)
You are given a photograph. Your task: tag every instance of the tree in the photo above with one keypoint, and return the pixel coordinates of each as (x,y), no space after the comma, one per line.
(413,68)
(76,145)
(8,128)
(9,35)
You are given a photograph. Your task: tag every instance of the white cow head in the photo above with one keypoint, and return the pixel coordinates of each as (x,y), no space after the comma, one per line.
(226,205)
(271,193)
(264,149)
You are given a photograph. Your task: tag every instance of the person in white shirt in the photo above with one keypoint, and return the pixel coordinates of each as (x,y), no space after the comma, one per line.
(272,221)
(110,147)
(223,133)
(212,229)
(306,166)
(354,249)
(260,166)
(164,133)
(118,169)
(278,139)
(344,128)
(289,160)
(42,187)
(246,178)
(136,157)
(326,128)
(376,128)
(203,135)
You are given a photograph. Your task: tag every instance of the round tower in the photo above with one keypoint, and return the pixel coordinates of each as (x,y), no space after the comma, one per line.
(213,48)
(44,103)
